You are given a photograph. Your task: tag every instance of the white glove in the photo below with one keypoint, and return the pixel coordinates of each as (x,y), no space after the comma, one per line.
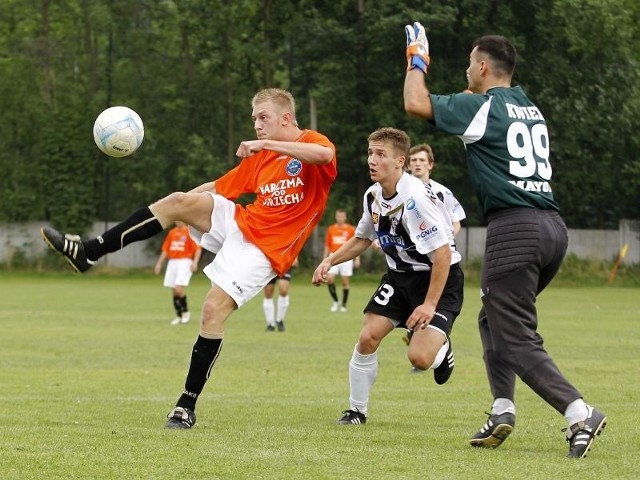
(417,47)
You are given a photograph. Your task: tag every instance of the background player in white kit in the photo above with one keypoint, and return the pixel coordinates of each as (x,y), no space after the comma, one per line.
(421,163)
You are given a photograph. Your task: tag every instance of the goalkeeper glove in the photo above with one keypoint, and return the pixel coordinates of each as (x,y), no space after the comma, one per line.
(417,47)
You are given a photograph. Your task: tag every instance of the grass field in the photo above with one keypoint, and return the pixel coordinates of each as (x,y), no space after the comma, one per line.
(90,366)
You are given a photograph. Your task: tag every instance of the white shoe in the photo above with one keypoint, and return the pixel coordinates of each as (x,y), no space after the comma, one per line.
(335,306)
(176,321)
(343,309)
(186,316)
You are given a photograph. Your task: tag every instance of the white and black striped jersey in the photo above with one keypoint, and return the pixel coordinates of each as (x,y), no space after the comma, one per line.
(454,209)
(409,226)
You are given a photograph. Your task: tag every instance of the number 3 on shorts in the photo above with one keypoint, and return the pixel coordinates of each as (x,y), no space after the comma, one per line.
(385,292)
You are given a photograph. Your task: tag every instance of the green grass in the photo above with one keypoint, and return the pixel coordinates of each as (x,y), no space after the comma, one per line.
(89,367)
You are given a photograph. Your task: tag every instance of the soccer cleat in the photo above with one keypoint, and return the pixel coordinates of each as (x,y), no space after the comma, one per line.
(335,307)
(352,417)
(407,338)
(176,321)
(495,431)
(181,417)
(442,373)
(186,316)
(280,326)
(70,246)
(271,328)
(582,434)
(343,309)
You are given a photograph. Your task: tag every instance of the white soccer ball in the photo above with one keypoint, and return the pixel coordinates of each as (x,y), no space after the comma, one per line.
(118,131)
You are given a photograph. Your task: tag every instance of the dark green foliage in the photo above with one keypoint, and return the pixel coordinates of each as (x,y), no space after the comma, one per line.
(190,68)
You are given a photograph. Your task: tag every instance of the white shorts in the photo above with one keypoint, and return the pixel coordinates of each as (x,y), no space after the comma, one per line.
(344,269)
(178,273)
(239,267)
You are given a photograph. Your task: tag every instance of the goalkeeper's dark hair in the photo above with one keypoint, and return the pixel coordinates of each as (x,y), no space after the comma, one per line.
(281,98)
(398,139)
(500,50)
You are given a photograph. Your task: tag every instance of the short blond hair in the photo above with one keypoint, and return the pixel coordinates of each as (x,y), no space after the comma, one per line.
(282,99)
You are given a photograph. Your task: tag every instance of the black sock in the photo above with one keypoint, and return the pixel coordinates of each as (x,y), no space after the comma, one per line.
(345,296)
(332,292)
(183,304)
(139,226)
(177,304)
(203,356)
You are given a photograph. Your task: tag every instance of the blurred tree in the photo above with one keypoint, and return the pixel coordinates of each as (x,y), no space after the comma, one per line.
(190,69)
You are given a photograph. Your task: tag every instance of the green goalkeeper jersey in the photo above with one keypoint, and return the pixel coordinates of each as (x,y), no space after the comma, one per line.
(507,145)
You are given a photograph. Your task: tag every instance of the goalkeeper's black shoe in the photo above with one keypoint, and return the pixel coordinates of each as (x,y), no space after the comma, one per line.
(442,373)
(495,431)
(352,417)
(181,417)
(582,434)
(70,246)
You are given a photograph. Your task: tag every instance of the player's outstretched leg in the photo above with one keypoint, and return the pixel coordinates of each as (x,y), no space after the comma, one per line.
(69,246)
(140,225)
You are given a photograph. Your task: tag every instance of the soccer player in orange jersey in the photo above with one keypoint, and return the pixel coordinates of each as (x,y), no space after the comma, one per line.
(290,171)
(183,254)
(337,235)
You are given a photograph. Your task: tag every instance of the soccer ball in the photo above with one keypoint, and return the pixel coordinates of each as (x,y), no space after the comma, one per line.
(118,131)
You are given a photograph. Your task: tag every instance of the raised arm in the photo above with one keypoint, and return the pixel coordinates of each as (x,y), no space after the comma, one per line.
(417,101)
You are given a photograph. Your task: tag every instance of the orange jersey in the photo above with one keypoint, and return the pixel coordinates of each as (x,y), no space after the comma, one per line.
(337,235)
(179,244)
(291,196)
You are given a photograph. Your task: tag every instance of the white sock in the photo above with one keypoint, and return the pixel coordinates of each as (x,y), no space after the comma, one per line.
(577,411)
(269,310)
(440,355)
(503,405)
(363,370)
(283,305)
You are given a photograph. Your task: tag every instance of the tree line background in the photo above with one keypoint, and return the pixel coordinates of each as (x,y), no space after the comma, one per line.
(191,67)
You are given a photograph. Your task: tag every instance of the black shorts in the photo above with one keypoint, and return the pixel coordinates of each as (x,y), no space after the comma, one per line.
(400,293)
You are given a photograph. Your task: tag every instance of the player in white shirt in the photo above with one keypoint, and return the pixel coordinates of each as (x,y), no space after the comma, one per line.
(421,162)
(423,286)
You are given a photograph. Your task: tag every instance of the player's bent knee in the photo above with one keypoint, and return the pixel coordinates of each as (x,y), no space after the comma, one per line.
(420,359)
(367,343)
